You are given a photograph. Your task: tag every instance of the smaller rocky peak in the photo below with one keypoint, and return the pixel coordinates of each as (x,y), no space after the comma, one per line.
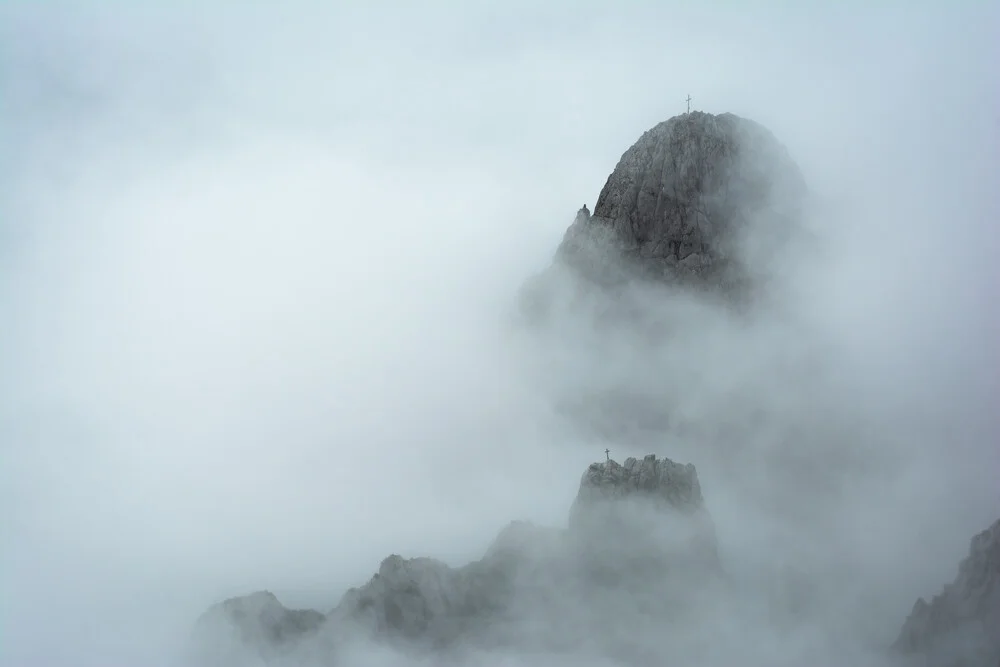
(406,599)
(396,573)
(672,484)
(258,621)
(262,611)
(648,510)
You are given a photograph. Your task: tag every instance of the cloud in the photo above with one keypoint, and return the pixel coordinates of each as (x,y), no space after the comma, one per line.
(256,264)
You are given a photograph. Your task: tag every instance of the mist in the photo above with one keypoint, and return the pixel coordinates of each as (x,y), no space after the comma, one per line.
(259,282)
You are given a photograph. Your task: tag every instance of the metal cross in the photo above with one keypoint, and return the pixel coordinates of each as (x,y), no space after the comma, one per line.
(689,103)
(607,453)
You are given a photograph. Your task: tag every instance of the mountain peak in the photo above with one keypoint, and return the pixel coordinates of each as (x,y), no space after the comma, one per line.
(684,201)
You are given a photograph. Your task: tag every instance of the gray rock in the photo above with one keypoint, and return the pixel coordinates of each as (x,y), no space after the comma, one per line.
(411,600)
(960,627)
(535,588)
(700,201)
(661,481)
(685,196)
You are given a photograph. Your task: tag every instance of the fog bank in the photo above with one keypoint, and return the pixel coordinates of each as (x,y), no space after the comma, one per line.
(258,267)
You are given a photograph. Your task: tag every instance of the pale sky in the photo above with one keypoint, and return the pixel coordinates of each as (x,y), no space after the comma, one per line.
(256,264)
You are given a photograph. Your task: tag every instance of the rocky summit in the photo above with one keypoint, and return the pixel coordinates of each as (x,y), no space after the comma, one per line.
(536,589)
(699,200)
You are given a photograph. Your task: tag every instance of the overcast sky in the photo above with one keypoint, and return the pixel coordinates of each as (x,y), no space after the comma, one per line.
(255,260)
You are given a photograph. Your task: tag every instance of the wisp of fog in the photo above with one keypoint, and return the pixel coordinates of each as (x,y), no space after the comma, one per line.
(259,282)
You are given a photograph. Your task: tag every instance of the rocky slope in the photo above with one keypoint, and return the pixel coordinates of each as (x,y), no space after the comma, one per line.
(639,549)
(960,627)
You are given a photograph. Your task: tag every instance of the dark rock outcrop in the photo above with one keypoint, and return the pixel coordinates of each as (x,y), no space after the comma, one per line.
(960,627)
(638,547)
(699,200)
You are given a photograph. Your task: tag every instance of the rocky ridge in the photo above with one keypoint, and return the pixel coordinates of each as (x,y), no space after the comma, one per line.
(638,548)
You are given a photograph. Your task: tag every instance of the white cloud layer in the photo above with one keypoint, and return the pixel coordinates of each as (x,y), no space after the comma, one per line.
(257,260)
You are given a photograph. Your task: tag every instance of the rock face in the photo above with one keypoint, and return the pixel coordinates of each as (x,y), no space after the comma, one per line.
(638,547)
(698,199)
(961,626)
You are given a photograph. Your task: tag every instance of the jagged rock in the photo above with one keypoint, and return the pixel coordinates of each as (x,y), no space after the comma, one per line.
(960,627)
(536,588)
(256,624)
(662,481)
